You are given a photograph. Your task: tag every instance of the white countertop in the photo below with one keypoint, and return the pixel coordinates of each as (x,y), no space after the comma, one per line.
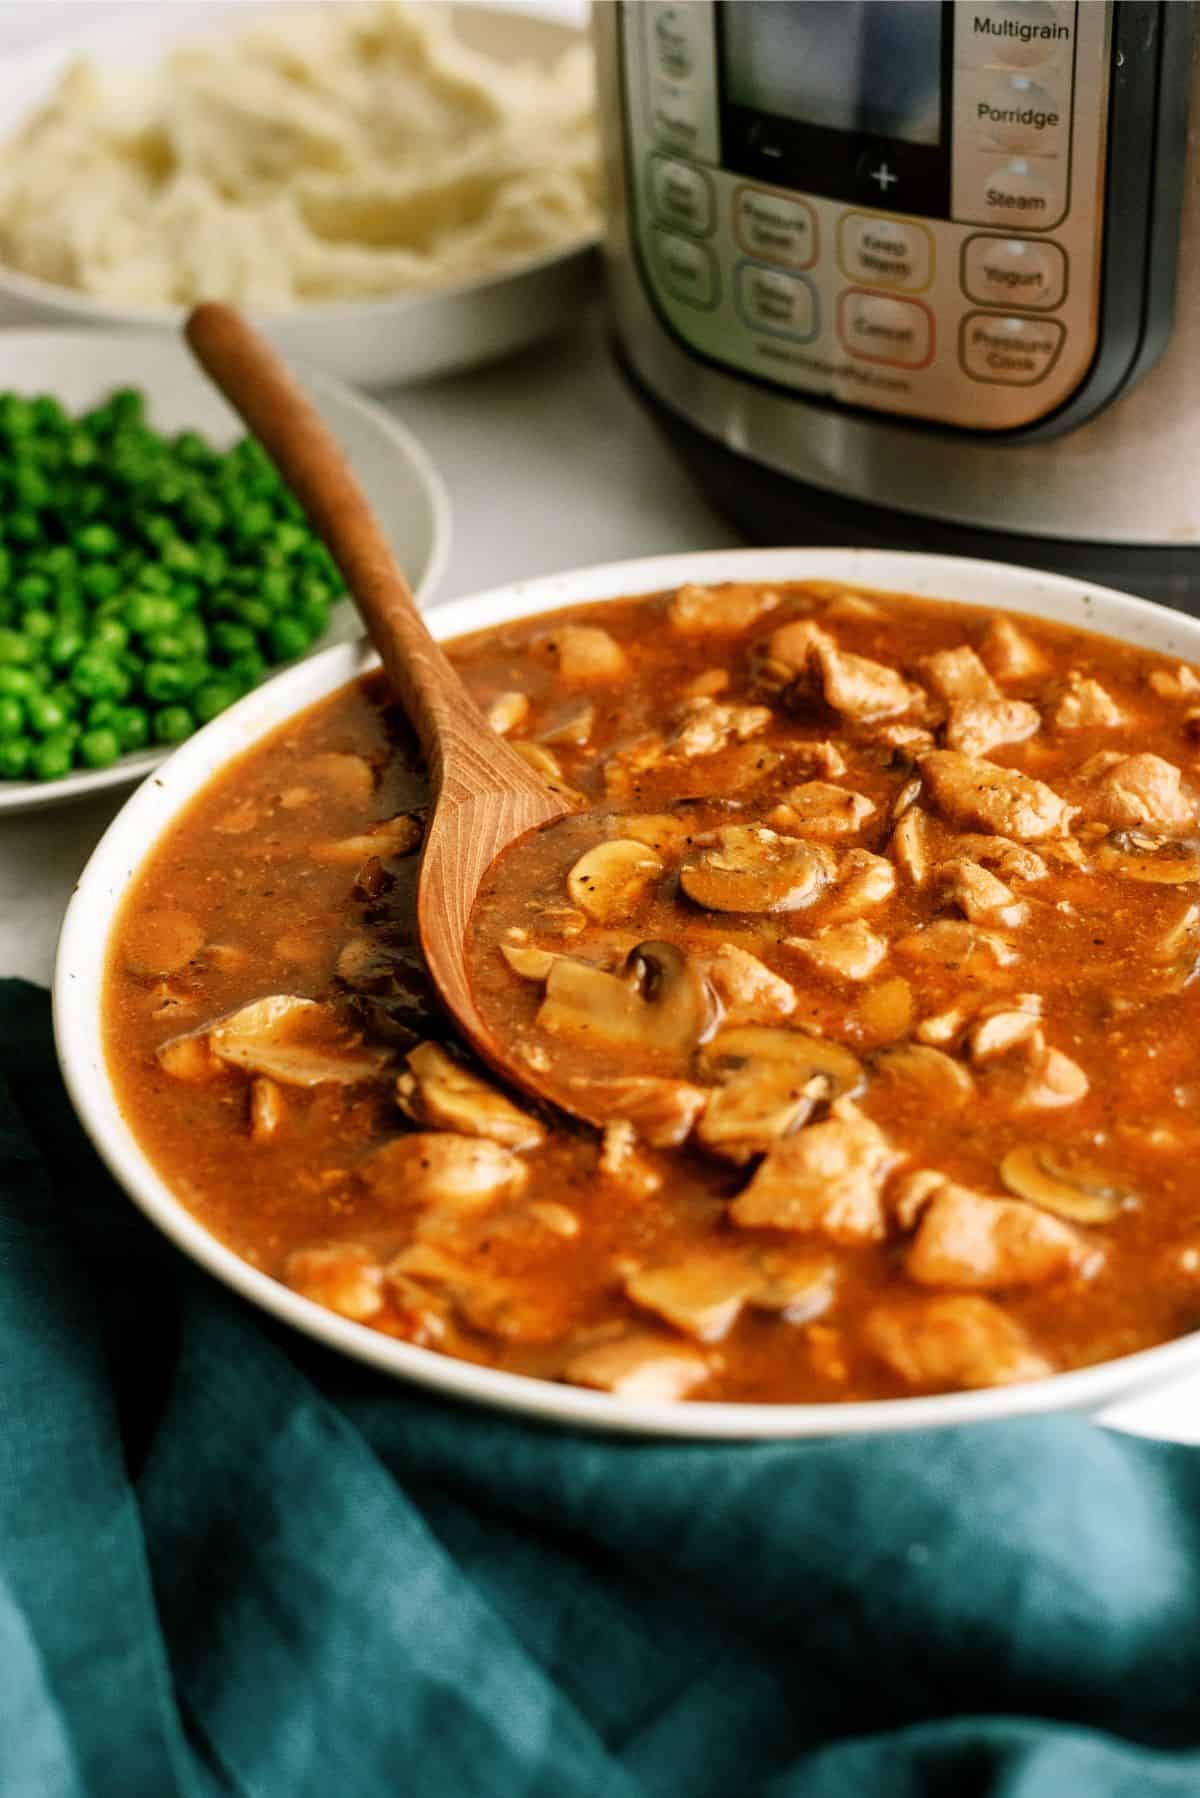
(550,463)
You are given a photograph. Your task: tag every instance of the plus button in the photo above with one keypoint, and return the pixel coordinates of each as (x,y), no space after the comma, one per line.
(884,176)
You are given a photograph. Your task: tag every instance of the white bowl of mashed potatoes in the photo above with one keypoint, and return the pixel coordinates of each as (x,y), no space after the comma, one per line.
(391,190)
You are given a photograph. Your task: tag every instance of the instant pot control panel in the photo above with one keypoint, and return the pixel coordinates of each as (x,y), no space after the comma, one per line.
(897,205)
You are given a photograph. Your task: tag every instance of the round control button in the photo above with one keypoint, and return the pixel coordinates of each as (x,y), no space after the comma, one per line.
(681,195)
(1010,352)
(885,252)
(784,305)
(1018,114)
(688,270)
(672,45)
(898,332)
(775,227)
(1013,34)
(1012,271)
(1014,193)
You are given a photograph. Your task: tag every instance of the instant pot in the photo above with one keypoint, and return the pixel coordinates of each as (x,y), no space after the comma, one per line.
(919,272)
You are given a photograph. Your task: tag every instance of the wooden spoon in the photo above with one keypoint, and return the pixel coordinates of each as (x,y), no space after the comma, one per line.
(484,795)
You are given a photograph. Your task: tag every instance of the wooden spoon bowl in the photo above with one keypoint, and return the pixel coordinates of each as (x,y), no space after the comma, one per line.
(484,796)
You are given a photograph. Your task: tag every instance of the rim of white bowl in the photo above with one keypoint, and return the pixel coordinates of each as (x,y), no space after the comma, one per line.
(30,796)
(79,986)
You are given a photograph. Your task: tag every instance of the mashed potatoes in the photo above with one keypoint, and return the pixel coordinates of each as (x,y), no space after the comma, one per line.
(337,153)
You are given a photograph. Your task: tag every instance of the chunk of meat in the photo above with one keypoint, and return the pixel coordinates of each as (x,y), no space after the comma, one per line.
(492,1302)
(957,674)
(341,1276)
(864,881)
(828,1180)
(440,1092)
(1053,1080)
(846,951)
(804,657)
(979,895)
(1083,704)
(1010,653)
(976,726)
(585,653)
(456,1173)
(822,758)
(351,777)
(620,1162)
(962,947)
(296,1041)
(971,1241)
(1180,682)
(1011,861)
(704,726)
(980,795)
(507,711)
(572,725)
(747,988)
(1142,789)
(910,845)
(662,1111)
(395,836)
(648,1368)
(927,1073)
(819,809)
(957,1341)
(757,1106)
(701,1295)
(719,611)
(1001,1032)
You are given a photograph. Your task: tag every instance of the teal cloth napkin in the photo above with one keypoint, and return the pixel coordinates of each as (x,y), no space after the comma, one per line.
(233,1563)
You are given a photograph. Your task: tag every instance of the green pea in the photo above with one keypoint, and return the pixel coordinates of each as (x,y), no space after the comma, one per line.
(22,527)
(255,613)
(314,615)
(14,757)
(65,644)
(32,589)
(132,727)
(164,682)
(103,712)
(247,670)
(110,633)
(53,757)
(233,639)
(46,716)
(100,579)
(277,588)
(12,716)
(39,626)
(21,682)
(97,540)
(99,748)
(166,646)
(213,697)
(96,676)
(30,487)
(149,612)
(17,417)
(15,648)
(172,724)
(288,638)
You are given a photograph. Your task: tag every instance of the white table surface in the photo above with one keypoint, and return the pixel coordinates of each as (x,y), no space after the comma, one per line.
(550,463)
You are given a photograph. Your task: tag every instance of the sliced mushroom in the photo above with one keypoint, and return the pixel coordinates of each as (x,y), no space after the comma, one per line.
(611,880)
(758,1105)
(659,1001)
(909,847)
(1143,855)
(1074,1190)
(734,1047)
(926,1072)
(544,762)
(161,941)
(958,945)
(295,1041)
(439,1092)
(746,868)
(530,963)
(350,778)
(395,836)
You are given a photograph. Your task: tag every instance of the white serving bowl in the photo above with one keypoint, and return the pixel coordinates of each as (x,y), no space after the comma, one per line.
(81,367)
(370,343)
(79,984)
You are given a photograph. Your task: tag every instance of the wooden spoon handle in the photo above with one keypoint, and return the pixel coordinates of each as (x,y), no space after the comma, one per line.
(260,388)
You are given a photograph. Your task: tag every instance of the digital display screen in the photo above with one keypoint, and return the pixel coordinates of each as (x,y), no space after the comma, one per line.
(872,67)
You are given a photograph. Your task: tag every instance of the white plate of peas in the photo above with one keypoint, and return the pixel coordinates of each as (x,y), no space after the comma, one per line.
(153,567)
